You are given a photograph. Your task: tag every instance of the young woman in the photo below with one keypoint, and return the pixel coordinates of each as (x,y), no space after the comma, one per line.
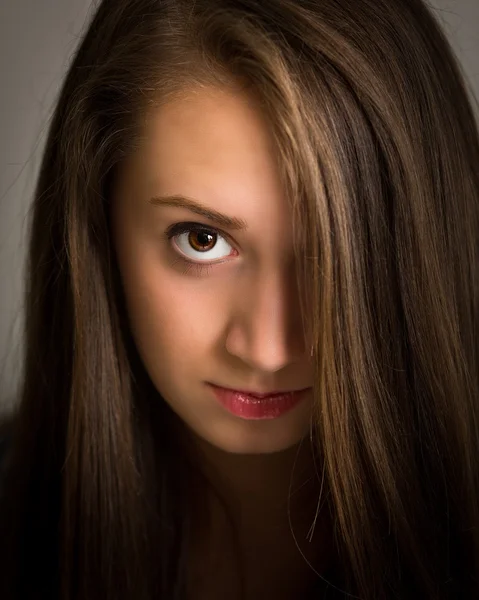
(251,348)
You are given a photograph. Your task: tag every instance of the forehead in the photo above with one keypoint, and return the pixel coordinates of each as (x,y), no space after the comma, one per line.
(211,132)
(215,146)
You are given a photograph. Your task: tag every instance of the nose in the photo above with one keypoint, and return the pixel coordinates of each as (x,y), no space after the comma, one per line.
(266,331)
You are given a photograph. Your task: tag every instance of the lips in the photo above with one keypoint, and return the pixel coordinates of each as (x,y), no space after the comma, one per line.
(252,407)
(261,395)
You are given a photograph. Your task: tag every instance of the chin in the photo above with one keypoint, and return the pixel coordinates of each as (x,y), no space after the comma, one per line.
(255,449)
(254,440)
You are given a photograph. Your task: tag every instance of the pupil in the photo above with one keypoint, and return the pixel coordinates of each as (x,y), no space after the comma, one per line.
(203,238)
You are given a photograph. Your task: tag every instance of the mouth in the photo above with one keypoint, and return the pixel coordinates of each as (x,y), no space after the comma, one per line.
(261,395)
(253,406)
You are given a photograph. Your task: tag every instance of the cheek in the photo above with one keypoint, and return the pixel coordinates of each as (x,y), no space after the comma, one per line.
(158,315)
(175,320)
(160,334)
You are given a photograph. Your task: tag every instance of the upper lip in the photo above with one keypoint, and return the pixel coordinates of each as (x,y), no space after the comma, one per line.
(261,394)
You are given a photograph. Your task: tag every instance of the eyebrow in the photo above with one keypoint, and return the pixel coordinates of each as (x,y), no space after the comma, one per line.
(181,201)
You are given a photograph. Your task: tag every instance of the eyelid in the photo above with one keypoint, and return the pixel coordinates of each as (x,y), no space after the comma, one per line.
(183,226)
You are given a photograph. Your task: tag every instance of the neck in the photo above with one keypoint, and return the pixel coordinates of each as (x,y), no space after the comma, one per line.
(266,496)
(247,482)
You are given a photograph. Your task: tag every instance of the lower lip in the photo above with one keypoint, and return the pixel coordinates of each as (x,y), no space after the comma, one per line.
(253,408)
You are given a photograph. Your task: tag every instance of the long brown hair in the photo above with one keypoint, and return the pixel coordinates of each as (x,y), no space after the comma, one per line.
(378,150)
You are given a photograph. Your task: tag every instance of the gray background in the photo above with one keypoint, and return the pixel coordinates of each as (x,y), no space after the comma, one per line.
(37,39)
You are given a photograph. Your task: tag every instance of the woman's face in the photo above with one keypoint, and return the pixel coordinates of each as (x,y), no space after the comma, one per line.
(232,316)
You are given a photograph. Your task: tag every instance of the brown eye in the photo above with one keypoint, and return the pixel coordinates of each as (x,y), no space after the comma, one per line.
(201,240)
(196,241)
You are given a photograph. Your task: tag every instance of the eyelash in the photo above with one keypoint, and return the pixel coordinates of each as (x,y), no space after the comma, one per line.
(179,228)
